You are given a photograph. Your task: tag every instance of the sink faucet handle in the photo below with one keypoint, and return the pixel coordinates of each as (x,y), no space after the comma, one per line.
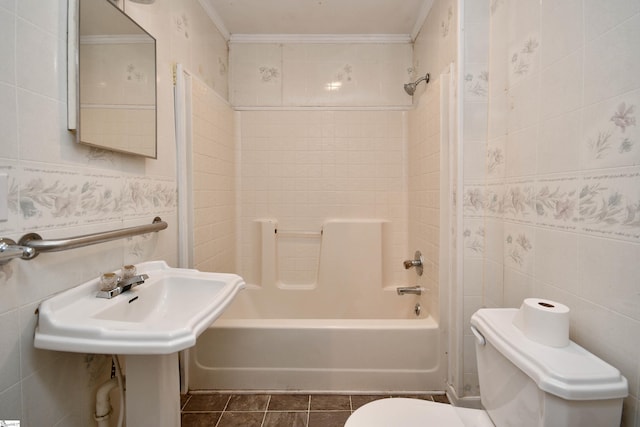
(128,271)
(109,281)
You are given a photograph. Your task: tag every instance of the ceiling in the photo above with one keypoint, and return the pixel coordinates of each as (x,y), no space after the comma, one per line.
(318,17)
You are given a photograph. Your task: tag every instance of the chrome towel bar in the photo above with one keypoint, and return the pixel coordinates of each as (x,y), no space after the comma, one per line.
(30,245)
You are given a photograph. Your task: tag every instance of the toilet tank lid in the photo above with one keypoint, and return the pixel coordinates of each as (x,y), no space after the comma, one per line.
(569,372)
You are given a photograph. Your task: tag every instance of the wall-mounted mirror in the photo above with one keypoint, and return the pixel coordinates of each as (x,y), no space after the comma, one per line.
(112,78)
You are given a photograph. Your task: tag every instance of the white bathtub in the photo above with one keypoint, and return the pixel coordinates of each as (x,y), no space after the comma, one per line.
(347,331)
(319,355)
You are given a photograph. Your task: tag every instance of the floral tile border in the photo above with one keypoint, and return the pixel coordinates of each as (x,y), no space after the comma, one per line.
(11,225)
(602,204)
(43,197)
(557,202)
(144,196)
(609,205)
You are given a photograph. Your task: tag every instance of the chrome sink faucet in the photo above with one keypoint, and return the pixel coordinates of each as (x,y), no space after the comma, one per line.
(112,285)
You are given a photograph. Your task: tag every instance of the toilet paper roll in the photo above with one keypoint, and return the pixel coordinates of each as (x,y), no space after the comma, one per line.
(544,321)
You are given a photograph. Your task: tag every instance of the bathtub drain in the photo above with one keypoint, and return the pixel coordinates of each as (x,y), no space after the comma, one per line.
(417,309)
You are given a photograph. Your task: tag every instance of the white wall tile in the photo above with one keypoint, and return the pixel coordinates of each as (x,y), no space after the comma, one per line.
(42,142)
(475,170)
(610,133)
(561,30)
(556,259)
(473,276)
(51,16)
(297,74)
(10,350)
(494,284)
(561,85)
(524,104)
(613,62)
(41,391)
(559,142)
(470,363)
(475,127)
(7,47)
(477,44)
(601,16)
(521,156)
(496,158)
(519,247)
(608,274)
(476,11)
(40,61)
(11,403)
(517,287)
(8,119)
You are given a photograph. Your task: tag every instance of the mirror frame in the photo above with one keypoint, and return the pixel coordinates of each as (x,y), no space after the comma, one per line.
(73,77)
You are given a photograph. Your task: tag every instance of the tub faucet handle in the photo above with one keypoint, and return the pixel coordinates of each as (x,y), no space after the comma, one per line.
(417,262)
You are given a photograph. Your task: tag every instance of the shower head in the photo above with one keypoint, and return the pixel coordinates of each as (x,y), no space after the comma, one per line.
(410,88)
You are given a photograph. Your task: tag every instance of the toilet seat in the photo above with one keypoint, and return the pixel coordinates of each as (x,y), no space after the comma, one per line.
(402,412)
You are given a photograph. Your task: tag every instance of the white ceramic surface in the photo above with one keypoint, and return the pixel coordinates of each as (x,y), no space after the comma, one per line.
(416,412)
(163,315)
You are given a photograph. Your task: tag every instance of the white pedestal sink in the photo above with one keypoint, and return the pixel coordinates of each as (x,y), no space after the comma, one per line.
(149,324)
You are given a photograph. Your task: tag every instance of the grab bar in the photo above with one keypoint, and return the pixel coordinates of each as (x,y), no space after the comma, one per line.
(9,250)
(293,233)
(33,243)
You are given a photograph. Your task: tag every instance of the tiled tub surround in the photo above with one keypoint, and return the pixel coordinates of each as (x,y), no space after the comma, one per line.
(277,410)
(302,168)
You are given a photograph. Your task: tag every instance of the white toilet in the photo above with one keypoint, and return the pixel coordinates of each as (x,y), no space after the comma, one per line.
(523,383)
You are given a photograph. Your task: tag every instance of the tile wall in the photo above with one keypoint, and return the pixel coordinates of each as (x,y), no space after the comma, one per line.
(553,210)
(435,52)
(424,189)
(320,74)
(213,176)
(302,168)
(60,189)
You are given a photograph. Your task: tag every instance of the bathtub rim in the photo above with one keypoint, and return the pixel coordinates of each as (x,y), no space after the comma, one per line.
(319,323)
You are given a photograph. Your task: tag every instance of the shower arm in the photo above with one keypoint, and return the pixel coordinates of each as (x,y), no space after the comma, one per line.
(425,77)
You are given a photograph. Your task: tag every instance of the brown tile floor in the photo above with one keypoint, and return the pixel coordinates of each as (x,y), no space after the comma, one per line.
(276,410)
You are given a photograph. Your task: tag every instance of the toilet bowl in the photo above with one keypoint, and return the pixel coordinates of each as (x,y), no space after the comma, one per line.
(403,412)
(524,383)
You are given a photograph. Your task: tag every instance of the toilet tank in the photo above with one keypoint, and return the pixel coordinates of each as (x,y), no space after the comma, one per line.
(524,383)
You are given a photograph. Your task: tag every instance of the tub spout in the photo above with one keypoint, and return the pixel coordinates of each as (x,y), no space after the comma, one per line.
(414,290)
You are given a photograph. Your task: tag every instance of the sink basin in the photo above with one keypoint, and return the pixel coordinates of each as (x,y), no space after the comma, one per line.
(163,315)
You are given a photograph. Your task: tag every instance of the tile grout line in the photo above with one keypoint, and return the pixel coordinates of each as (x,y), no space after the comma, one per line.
(266,409)
(223,411)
